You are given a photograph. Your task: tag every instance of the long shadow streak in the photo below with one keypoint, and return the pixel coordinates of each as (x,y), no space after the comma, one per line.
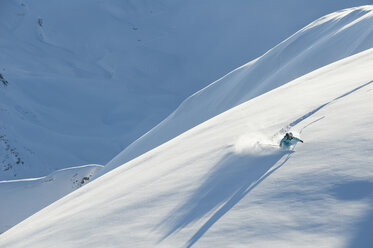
(231,203)
(228,184)
(292,124)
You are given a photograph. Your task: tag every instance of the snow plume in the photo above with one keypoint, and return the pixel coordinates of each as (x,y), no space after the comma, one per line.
(256,144)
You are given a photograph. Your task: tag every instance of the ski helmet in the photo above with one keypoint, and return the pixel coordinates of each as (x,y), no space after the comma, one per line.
(291,134)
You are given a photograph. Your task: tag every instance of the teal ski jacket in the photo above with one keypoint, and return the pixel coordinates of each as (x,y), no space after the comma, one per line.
(288,141)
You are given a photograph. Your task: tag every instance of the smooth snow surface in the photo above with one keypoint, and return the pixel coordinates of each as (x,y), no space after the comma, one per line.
(86,78)
(322,42)
(223,184)
(24,197)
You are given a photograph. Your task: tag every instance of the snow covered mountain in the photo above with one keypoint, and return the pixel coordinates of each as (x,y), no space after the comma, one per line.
(81,80)
(23,197)
(326,40)
(223,182)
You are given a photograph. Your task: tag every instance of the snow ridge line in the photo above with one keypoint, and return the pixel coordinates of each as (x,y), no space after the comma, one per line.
(242,192)
(300,119)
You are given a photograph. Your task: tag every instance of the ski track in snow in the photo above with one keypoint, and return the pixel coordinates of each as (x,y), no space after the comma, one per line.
(223,182)
(257,144)
(73,79)
(197,190)
(322,42)
(294,123)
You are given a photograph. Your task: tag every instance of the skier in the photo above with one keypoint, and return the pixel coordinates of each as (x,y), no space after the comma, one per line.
(289,140)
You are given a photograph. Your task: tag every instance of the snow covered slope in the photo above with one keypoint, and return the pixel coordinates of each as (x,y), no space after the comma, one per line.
(223,184)
(24,197)
(326,40)
(86,78)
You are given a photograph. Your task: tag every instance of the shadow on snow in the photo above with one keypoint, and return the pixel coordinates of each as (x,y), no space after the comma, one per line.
(363,228)
(233,178)
(294,123)
(226,184)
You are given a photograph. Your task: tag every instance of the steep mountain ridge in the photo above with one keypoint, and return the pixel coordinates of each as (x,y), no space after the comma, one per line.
(208,185)
(86,78)
(326,40)
(223,183)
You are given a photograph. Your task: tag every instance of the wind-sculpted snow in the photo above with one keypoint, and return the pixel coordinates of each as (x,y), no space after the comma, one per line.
(322,42)
(23,197)
(209,187)
(81,80)
(215,175)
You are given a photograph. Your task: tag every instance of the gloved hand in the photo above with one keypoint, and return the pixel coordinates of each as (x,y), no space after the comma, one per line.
(301,141)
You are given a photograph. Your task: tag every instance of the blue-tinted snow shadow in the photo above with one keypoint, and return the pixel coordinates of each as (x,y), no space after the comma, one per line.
(355,191)
(226,184)
(312,112)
